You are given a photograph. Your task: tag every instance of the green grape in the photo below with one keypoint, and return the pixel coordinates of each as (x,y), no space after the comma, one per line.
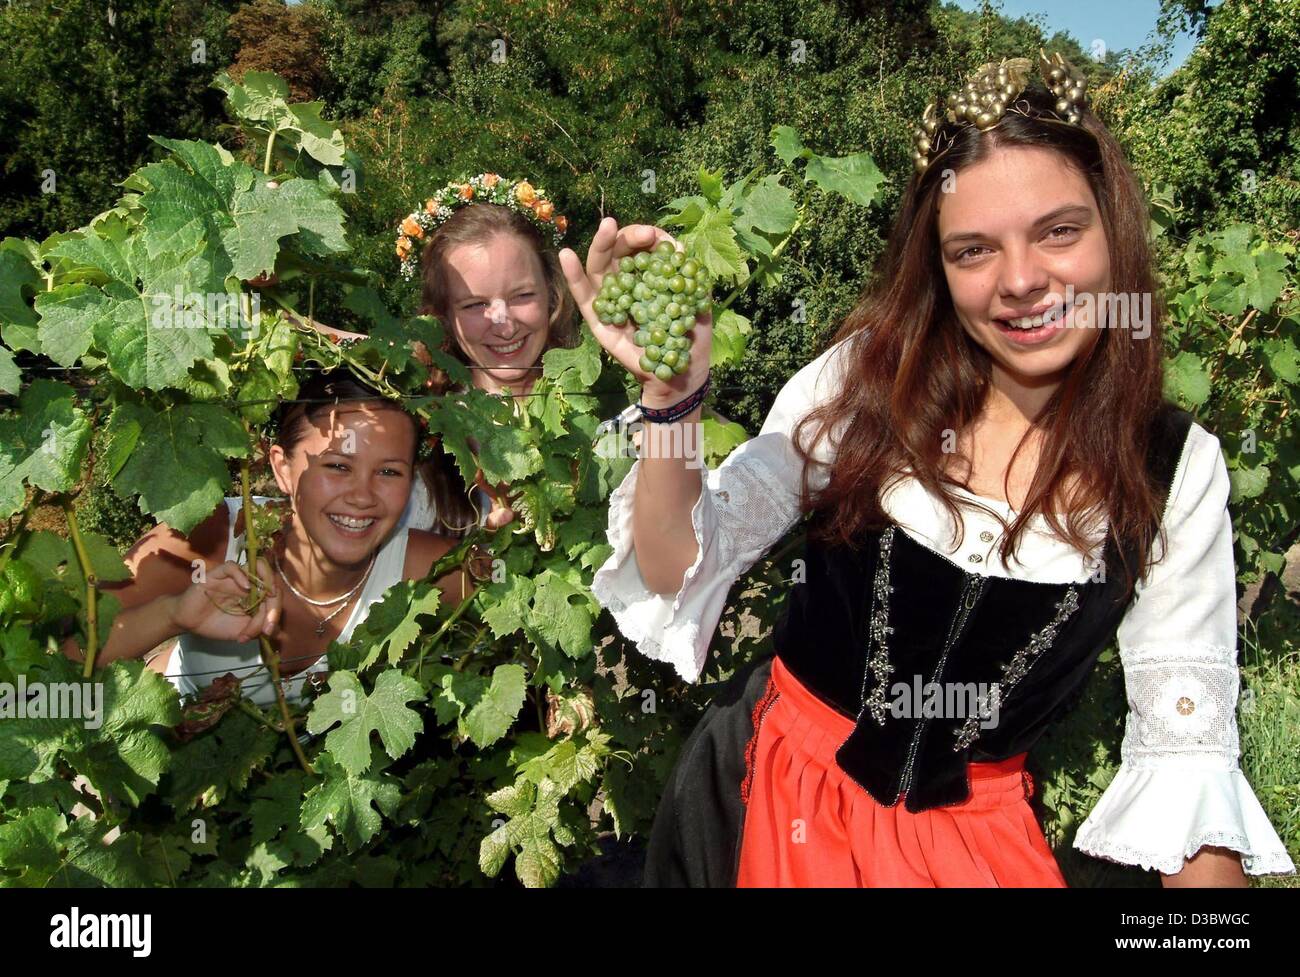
(661,292)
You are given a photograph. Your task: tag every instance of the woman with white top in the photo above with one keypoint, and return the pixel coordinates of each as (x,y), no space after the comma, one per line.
(346,460)
(996,488)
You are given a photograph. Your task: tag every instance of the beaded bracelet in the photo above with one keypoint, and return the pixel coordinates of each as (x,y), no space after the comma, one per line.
(666,415)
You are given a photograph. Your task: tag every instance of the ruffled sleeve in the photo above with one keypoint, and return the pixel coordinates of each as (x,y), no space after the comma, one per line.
(745,506)
(1179,786)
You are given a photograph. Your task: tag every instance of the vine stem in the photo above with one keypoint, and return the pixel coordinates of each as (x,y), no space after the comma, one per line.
(247,707)
(437,635)
(765,262)
(92,592)
(1236,334)
(270,656)
(266,164)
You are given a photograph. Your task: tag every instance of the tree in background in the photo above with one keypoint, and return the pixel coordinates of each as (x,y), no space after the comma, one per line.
(83,84)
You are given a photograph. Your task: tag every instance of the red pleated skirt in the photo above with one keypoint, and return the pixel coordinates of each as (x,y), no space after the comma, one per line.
(808,824)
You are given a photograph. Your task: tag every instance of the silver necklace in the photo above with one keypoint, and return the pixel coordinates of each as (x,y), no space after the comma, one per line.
(345,598)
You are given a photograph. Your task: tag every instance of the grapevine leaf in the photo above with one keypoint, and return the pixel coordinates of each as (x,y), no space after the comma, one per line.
(352,803)
(11,377)
(1283,359)
(18,276)
(123,755)
(768,208)
(1248,483)
(492,715)
(788,145)
(219,763)
(29,845)
(855,177)
(689,212)
(713,242)
(178,467)
(720,439)
(562,614)
(711,184)
(508,604)
(1186,380)
(730,338)
(390,626)
(43,444)
(384,711)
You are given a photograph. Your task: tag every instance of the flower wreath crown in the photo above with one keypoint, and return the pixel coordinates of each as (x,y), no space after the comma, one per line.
(486,188)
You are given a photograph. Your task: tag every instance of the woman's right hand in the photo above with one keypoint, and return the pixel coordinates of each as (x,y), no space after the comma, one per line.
(213,608)
(609,245)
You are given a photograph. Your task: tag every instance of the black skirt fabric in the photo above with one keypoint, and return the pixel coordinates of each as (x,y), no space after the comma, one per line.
(695,839)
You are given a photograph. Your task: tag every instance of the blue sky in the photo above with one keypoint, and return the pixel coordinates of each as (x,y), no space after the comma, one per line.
(1118,23)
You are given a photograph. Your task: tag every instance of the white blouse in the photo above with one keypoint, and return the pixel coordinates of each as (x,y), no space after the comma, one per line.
(1179,786)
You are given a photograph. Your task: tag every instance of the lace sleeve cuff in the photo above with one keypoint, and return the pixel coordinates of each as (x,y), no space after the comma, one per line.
(1179,786)
(1159,818)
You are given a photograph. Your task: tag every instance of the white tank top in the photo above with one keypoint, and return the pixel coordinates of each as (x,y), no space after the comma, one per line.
(196,661)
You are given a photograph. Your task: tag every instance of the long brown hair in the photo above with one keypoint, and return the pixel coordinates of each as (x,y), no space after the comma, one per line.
(916,376)
(477,224)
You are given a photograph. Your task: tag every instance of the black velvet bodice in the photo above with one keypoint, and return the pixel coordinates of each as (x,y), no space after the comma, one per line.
(936,621)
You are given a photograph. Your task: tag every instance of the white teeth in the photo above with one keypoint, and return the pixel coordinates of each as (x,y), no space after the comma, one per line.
(1034,321)
(348,522)
(507,349)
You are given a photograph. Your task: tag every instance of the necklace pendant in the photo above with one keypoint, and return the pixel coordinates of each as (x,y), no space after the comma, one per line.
(320,628)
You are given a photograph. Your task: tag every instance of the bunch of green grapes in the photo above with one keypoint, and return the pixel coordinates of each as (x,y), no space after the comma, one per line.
(661,291)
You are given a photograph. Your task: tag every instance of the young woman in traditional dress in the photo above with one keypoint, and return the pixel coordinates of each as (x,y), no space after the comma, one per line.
(996,488)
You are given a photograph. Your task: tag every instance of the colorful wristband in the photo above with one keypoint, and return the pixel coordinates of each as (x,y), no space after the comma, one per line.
(666,415)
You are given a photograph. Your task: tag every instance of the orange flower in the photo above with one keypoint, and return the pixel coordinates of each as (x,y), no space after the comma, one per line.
(561,223)
(467,191)
(545,209)
(430,206)
(525,193)
(410,227)
(403,247)
(490,180)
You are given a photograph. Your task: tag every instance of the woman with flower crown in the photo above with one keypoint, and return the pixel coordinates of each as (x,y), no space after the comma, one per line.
(996,488)
(484,250)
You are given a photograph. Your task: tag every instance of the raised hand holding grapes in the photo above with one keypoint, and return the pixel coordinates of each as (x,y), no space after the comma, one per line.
(646,306)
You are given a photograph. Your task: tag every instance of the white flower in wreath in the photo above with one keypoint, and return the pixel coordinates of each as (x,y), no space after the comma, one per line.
(1184,711)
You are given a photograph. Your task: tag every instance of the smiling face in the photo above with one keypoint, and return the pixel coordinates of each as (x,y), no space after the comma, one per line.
(349,478)
(1019,227)
(499,310)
